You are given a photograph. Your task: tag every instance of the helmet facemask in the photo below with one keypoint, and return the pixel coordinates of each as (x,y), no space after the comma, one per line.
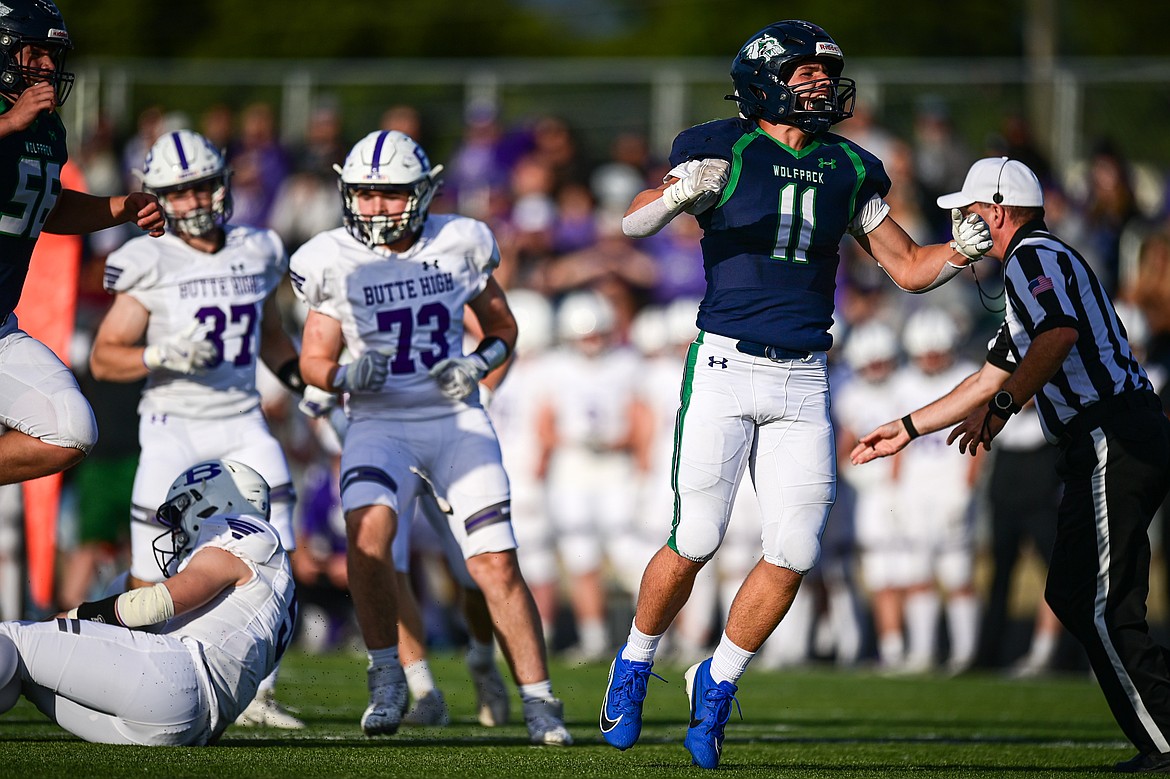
(762,70)
(184,160)
(35,23)
(380,230)
(387,161)
(198,222)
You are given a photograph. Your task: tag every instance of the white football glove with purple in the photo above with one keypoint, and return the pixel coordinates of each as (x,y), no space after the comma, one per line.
(186,352)
(316,402)
(458,377)
(365,374)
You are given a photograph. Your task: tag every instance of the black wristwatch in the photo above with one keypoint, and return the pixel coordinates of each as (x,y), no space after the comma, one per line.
(1003,405)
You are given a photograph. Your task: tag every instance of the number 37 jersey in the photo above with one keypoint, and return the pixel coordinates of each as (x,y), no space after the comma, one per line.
(408,304)
(224,292)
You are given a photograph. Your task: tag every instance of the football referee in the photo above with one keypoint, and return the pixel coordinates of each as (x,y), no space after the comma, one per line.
(1061,342)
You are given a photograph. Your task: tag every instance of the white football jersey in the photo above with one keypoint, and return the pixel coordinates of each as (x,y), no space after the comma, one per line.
(860,406)
(242,631)
(591,396)
(409,304)
(225,291)
(930,463)
(513,412)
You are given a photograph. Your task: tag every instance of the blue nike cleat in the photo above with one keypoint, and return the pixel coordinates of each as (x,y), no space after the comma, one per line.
(621,710)
(710,710)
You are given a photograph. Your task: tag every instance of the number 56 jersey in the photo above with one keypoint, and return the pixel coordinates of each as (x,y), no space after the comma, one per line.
(409,304)
(224,291)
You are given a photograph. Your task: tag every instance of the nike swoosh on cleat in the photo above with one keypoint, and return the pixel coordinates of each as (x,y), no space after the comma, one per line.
(608,724)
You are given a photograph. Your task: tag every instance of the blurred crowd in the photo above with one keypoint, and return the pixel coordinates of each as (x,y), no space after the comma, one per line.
(922,558)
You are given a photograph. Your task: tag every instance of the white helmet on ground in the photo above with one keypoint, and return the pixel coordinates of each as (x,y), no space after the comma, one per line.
(534,319)
(582,314)
(870,342)
(205,490)
(182,160)
(387,161)
(930,331)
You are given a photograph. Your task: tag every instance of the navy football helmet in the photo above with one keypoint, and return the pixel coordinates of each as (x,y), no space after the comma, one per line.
(762,68)
(32,23)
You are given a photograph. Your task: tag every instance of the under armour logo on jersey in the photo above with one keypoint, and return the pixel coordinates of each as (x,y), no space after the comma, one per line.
(831,164)
(429,264)
(714,361)
(238,267)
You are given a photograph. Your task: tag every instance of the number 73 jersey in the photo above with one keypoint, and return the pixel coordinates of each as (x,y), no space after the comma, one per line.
(224,292)
(408,304)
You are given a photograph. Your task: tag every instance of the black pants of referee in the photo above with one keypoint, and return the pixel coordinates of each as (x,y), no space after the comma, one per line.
(1115,464)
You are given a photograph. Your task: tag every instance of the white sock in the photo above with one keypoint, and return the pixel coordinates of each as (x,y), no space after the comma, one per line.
(480,655)
(381,657)
(594,637)
(729,661)
(892,650)
(963,628)
(640,648)
(1043,649)
(921,627)
(537,691)
(419,678)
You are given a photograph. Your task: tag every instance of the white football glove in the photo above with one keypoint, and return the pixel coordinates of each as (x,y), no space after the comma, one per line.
(186,352)
(699,188)
(458,377)
(316,402)
(972,235)
(367,373)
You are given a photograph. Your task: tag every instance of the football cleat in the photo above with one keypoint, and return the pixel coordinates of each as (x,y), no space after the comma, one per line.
(388,699)
(430,710)
(265,712)
(621,709)
(1145,763)
(710,710)
(491,696)
(546,723)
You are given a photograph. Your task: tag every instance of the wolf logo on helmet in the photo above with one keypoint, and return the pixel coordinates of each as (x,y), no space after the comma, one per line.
(762,69)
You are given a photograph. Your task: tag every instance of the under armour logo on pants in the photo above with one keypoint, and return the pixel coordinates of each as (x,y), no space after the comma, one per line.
(713,361)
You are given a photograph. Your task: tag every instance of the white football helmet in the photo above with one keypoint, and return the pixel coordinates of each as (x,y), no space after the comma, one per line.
(649,332)
(205,490)
(930,331)
(680,319)
(534,318)
(583,314)
(387,161)
(869,343)
(181,160)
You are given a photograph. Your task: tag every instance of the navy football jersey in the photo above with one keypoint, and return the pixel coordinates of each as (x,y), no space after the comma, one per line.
(30,181)
(771,244)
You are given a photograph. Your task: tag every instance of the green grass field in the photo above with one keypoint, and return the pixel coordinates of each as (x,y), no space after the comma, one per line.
(808,723)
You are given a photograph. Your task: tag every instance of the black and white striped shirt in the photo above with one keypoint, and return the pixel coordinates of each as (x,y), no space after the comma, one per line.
(1048,285)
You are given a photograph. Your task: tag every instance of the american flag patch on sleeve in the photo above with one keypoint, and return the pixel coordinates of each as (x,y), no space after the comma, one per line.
(1038,285)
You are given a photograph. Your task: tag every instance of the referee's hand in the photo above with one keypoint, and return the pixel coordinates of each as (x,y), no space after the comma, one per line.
(979,427)
(886,440)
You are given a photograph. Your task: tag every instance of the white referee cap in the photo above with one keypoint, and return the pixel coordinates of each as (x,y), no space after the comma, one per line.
(999,180)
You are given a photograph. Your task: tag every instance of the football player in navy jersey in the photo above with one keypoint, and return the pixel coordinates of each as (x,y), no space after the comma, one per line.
(775,194)
(50,426)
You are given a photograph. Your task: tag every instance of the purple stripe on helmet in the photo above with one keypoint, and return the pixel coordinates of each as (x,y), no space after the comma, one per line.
(179,148)
(378,151)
